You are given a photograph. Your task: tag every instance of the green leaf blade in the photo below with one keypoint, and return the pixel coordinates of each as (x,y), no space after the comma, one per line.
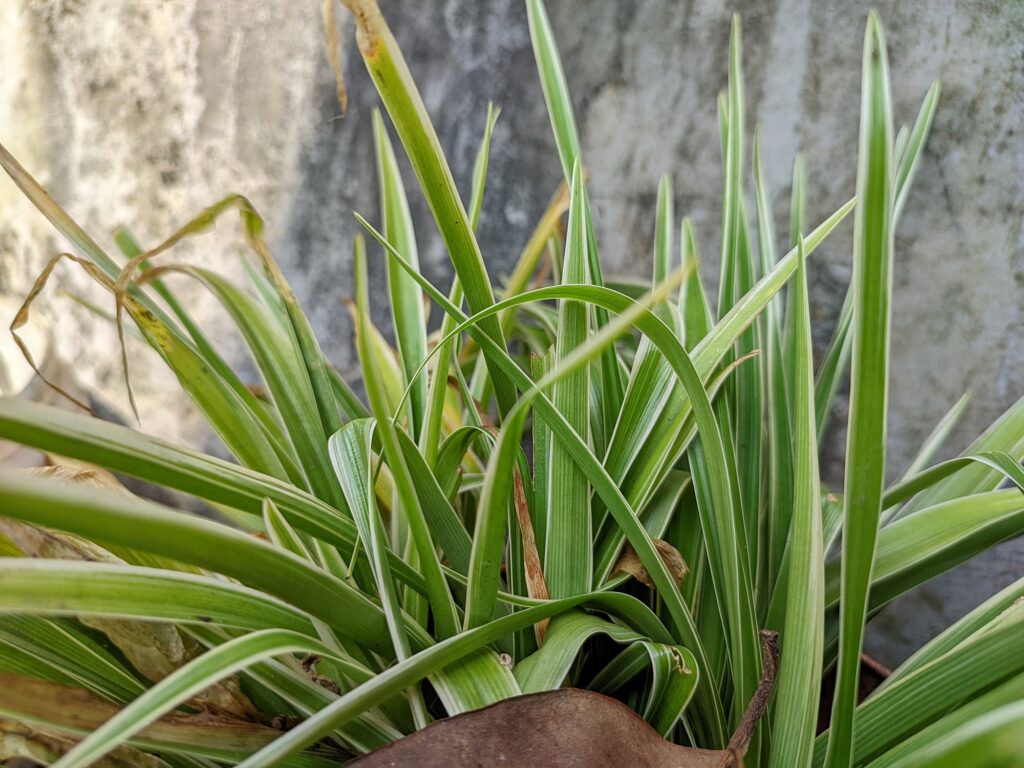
(568,561)
(865,458)
(406,303)
(799,683)
(398,91)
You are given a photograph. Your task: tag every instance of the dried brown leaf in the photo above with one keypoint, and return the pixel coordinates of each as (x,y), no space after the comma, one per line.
(21,318)
(567,727)
(79,710)
(334,55)
(536,586)
(23,745)
(155,649)
(629,562)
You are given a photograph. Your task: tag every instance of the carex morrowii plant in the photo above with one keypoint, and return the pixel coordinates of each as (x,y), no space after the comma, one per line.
(575,483)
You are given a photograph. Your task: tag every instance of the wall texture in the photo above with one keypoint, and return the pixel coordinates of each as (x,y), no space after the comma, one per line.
(143,113)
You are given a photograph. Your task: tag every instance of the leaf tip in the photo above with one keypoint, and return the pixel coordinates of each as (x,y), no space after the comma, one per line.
(875,36)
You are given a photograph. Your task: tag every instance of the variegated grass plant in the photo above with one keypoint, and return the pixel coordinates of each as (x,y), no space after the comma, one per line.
(554,464)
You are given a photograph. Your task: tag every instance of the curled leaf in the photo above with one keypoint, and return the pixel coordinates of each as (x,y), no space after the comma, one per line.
(629,562)
(21,318)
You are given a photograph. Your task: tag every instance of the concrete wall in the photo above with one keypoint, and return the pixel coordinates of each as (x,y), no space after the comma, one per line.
(143,113)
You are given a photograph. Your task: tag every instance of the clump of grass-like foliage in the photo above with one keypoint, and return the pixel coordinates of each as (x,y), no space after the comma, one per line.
(554,464)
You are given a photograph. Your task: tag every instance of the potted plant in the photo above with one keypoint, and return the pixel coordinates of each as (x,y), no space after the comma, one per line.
(578,485)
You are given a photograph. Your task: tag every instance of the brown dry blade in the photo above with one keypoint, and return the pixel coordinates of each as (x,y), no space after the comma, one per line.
(543,273)
(96,477)
(259,391)
(878,669)
(252,226)
(567,727)
(334,55)
(155,273)
(200,223)
(27,745)
(78,710)
(536,586)
(155,649)
(35,541)
(204,221)
(21,319)
(630,563)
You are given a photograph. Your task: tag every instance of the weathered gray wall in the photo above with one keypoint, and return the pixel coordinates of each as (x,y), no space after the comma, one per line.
(142,113)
